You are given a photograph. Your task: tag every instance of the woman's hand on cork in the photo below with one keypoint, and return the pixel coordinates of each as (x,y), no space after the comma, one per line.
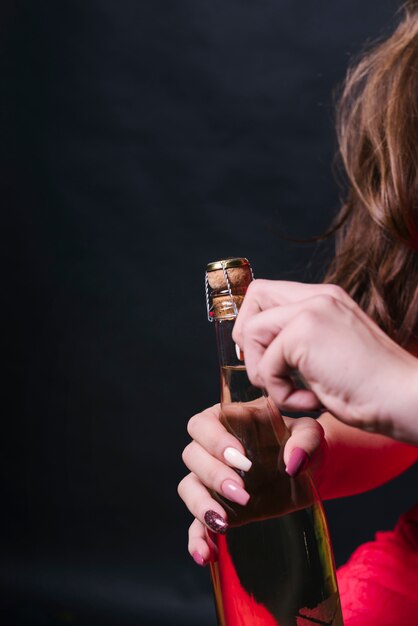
(214,455)
(349,365)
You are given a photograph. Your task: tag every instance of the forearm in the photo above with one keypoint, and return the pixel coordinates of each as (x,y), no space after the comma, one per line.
(357,461)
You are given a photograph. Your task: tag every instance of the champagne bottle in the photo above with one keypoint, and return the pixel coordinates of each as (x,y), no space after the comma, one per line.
(274,566)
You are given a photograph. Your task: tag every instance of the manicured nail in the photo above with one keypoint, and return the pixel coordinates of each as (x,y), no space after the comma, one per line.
(233,491)
(298,461)
(236,459)
(198,558)
(240,354)
(216,522)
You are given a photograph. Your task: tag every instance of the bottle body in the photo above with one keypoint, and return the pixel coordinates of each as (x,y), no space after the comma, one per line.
(274,566)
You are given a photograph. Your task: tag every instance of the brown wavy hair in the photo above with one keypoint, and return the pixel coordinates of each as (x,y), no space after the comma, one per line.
(376,258)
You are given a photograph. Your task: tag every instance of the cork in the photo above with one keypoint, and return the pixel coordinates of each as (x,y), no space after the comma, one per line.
(223,306)
(239,278)
(224,303)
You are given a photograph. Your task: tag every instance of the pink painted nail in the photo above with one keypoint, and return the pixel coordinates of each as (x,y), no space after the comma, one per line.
(216,522)
(198,558)
(298,462)
(234,492)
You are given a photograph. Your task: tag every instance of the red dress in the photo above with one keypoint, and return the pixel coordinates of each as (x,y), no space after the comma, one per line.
(379,583)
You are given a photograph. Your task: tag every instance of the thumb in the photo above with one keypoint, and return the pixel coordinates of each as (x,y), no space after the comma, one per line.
(305,444)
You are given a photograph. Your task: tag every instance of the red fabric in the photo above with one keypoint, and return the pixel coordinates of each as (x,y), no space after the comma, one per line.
(236,607)
(239,608)
(379,584)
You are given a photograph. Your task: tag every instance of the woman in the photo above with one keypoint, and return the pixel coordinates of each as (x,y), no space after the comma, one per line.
(353,344)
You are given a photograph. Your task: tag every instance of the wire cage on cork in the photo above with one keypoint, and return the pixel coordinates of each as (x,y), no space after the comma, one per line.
(226,282)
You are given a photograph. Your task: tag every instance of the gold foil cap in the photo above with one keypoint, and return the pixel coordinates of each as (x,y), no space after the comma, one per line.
(227,281)
(229,262)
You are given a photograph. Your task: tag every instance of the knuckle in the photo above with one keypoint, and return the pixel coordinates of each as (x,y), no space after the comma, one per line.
(215,409)
(307,322)
(335,291)
(199,420)
(257,286)
(193,425)
(181,487)
(186,453)
(253,287)
(326,301)
(312,428)
(212,477)
(305,422)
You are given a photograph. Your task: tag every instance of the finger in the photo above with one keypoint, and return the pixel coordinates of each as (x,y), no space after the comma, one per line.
(305,444)
(201,505)
(214,474)
(261,295)
(281,339)
(268,364)
(206,429)
(259,333)
(281,388)
(265,294)
(198,545)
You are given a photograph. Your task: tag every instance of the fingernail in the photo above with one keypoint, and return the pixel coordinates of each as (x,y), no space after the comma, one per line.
(216,522)
(236,459)
(298,461)
(198,558)
(233,491)
(240,354)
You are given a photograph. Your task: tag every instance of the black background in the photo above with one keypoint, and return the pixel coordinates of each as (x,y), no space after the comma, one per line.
(142,139)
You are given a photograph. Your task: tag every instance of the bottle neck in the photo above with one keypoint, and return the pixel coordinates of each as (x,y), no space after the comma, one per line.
(235,384)
(227,348)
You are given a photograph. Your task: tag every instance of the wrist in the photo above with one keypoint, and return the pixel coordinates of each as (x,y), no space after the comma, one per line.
(398,411)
